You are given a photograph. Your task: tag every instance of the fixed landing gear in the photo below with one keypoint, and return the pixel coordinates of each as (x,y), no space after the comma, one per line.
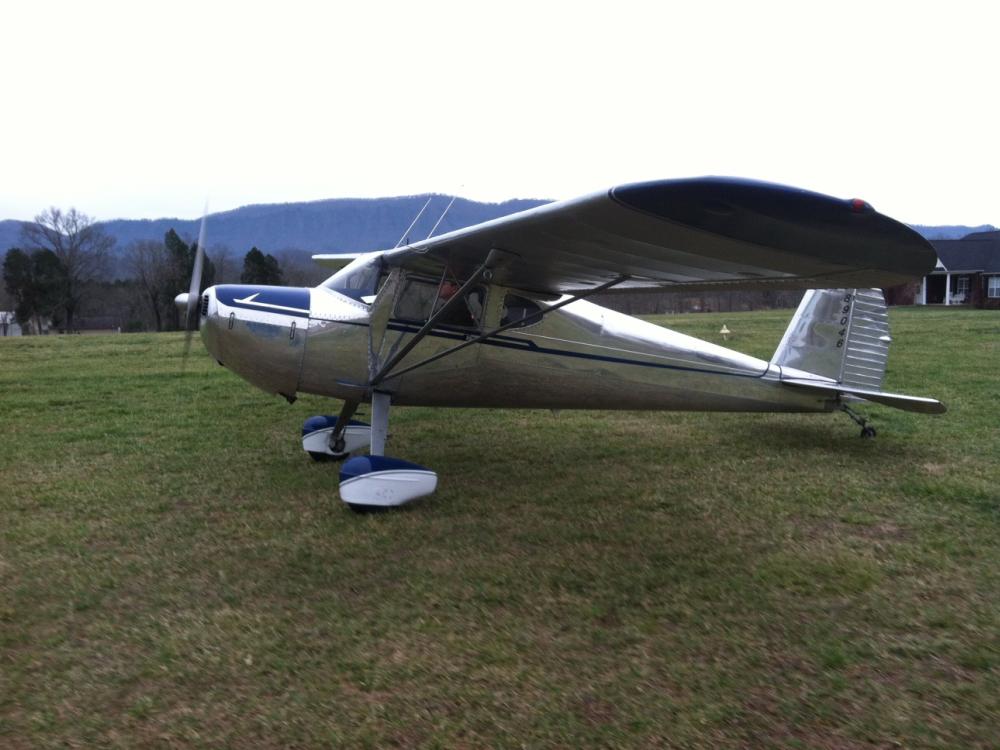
(369,483)
(327,438)
(867,431)
(335,451)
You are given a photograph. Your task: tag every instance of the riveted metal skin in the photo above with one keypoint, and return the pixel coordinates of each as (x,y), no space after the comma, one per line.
(582,356)
(351,334)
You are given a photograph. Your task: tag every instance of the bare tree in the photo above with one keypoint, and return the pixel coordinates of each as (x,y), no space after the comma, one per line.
(148,261)
(300,270)
(81,245)
(226,270)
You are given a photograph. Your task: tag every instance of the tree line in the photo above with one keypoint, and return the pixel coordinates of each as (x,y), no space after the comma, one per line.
(60,274)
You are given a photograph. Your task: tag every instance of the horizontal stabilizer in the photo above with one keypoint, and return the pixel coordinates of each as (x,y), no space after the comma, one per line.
(336,261)
(895,400)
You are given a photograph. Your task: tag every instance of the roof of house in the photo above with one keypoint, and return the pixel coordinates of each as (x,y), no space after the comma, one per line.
(991,235)
(979,251)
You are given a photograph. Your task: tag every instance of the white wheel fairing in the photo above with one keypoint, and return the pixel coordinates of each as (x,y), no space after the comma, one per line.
(382,481)
(388,488)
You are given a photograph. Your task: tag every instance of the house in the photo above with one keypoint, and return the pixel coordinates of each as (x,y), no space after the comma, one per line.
(10,327)
(967,272)
(8,324)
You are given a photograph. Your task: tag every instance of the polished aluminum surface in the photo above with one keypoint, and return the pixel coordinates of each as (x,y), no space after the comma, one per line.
(838,334)
(588,357)
(264,348)
(353,334)
(583,357)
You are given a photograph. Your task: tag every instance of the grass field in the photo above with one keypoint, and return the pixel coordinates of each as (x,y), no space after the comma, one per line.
(174,571)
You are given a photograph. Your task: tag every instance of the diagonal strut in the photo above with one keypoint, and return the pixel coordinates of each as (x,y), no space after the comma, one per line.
(495,331)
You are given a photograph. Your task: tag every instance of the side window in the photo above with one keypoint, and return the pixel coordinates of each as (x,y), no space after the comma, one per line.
(359,279)
(416,301)
(420,298)
(520,309)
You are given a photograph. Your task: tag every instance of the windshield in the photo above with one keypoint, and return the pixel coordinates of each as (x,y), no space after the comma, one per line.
(358,279)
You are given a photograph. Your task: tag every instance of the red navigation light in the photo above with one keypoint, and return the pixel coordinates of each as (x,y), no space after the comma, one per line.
(858,206)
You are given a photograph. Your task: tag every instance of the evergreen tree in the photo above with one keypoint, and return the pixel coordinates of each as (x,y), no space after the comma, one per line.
(177,279)
(37,282)
(259,268)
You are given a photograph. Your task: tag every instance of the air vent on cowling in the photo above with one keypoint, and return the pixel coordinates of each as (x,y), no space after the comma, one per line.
(204,305)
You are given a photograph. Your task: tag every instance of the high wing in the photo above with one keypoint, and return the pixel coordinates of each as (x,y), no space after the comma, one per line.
(692,234)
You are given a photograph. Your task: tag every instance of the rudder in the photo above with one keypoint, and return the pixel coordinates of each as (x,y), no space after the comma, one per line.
(839,334)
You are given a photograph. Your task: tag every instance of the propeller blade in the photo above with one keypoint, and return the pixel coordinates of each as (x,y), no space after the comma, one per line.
(193,297)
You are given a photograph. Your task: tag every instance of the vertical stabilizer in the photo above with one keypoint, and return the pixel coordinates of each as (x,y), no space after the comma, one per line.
(839,334)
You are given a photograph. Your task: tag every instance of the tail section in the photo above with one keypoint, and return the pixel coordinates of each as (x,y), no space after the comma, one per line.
(838,343)
(839,334)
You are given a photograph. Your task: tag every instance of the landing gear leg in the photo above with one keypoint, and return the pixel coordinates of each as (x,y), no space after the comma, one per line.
(380,422)
(376,482)
(337,443)
(327,438)
(380,432)
(867,431)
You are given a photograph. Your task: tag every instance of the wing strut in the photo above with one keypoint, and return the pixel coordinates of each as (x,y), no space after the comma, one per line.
(385,373)
(414,222)
(485,271)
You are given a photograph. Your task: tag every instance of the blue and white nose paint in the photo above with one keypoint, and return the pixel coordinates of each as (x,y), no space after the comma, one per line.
(280,300)
(259,333)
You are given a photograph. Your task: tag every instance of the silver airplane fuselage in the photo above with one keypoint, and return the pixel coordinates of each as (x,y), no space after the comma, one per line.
(582,356)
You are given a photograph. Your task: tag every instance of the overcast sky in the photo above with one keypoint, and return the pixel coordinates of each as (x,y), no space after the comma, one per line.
(142,109)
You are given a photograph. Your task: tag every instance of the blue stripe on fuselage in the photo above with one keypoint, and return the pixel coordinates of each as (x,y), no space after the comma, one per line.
(281,300)
(525,345)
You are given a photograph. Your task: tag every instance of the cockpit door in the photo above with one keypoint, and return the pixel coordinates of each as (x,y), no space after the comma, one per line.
(379,344)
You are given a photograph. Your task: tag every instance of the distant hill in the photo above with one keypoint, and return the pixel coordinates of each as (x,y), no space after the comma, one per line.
(344,224)
(951,231)
(337,225)
(10,234)
(340,224)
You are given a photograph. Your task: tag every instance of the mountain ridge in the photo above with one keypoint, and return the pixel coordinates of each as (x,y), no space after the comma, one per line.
(338,225)
(306,227)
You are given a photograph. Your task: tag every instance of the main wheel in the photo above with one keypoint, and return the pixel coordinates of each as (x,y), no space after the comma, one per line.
(318,456)
(368,509)
(868,431)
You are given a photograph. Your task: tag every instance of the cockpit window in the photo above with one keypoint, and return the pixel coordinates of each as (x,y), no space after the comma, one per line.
(520,309)
(358,279)
(417,301)
(422,298)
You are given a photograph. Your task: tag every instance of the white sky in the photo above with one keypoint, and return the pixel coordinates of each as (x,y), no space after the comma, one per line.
(141,109)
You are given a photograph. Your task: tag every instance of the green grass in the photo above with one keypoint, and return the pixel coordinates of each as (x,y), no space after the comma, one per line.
(174,571)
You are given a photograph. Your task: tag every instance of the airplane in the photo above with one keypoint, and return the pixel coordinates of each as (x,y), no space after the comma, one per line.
(495,316)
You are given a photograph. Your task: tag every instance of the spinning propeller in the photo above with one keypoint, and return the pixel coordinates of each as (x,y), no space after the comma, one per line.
(188,302)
